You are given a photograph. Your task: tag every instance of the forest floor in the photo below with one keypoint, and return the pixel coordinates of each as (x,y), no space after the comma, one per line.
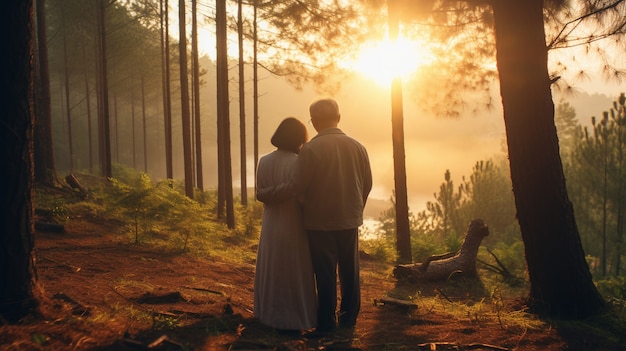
(101,293)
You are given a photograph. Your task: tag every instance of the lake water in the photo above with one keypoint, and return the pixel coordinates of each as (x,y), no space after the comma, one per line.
(368,230)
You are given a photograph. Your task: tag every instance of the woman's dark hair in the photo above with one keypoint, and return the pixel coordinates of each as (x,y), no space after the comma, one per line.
(290,135)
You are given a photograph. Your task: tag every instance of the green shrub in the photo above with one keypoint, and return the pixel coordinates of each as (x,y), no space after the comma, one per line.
(382,249)
(612,288)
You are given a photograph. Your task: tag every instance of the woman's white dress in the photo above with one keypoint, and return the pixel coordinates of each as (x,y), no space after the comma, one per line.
(284,286)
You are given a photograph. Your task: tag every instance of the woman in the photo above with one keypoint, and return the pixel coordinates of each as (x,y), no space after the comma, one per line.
(284,287)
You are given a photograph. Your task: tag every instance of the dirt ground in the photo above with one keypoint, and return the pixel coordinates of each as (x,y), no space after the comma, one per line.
(102,293)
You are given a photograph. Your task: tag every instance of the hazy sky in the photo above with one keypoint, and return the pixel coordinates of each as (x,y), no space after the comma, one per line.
(432,143)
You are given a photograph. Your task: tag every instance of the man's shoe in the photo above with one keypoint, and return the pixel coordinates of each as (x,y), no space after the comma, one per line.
(345,332)
(320,332)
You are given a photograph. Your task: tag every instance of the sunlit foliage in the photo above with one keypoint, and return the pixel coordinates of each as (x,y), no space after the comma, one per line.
(441,227)
(597,184)
(311,37)
(594,163)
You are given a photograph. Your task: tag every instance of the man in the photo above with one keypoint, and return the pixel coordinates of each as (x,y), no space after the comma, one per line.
(333,178)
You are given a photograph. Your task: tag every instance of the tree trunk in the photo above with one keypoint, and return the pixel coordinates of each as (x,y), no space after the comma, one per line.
(17,269)
(403,232)
(255,92)
(605,195)
(103,118)
(68,106)
(133,120)
(225,178)
(196,92)
(167,99)
(144,124)
(561,284)
(242,108)
(45,170)
(116,129)
(184,99)
(620,203)
(88,102)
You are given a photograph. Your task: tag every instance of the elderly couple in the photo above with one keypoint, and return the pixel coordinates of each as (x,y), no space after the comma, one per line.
(313,194)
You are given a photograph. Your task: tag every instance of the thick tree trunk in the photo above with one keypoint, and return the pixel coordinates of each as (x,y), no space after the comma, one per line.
(17,270)
(561,284)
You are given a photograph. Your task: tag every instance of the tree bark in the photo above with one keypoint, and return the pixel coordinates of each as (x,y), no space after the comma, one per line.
(133,119)
(144,129)
(225,178)
(196,94)
(403,232)
(106,168)
(184,99)
(45,170)
(561,284)
(17,269)
(88,102)
(242,108)
(116,124)
(167,99)
(68,106)
(255,89)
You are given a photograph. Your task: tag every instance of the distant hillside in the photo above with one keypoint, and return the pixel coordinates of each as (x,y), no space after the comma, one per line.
(588,105)
(375,207)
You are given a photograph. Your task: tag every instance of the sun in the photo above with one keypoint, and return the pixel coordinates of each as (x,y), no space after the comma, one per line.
(383,60)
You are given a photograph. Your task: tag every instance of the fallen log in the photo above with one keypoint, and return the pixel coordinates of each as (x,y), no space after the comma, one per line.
(442,267)
(74,183)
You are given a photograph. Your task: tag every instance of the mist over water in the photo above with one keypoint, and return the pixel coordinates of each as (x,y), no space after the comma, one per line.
(433,143)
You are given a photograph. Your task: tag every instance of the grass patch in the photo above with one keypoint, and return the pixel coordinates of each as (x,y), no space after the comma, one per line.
(159,215)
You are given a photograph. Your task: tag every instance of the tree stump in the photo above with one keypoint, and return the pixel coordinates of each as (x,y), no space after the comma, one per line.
(441,267)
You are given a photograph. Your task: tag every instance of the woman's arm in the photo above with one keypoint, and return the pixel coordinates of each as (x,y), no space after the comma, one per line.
(276,193)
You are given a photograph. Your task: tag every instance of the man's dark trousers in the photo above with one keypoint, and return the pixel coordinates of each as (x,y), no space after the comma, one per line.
(333,251)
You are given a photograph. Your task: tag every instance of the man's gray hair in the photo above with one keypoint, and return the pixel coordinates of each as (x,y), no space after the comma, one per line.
(325,108)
